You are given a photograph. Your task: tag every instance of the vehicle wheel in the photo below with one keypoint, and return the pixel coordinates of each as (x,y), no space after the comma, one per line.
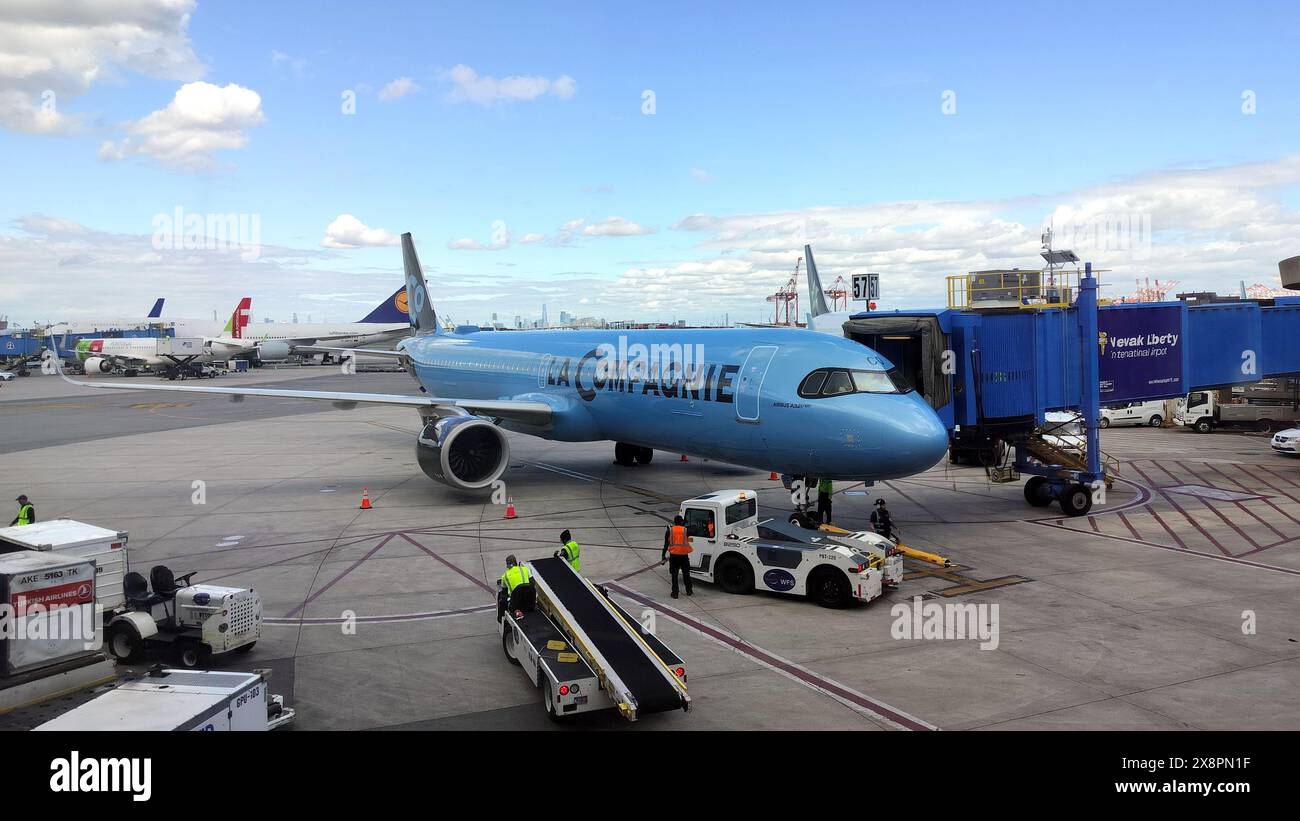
(1103,422)
(830,588)
(644,455)
(803,520)
(194,655)
(1077,500)
(505,646)
(1204,426)
(1038,491)
(246,648)
(125,643)
(1155,421)
(548,699)
(624,454)
(736,576)
(1264,425)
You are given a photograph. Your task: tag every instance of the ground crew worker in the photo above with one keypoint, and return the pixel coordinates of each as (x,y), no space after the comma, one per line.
(824,491)
(26,512)
(881,521)
(677,551)
(570,551)
(515,575)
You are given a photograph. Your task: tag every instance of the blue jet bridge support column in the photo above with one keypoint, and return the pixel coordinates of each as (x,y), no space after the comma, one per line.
(1090,391)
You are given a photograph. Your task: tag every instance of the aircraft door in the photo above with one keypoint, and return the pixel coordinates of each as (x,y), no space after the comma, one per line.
(751,381)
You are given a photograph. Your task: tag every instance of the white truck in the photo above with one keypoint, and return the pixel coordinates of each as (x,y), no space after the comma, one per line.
(181,700)
(1204,411)
(740,552)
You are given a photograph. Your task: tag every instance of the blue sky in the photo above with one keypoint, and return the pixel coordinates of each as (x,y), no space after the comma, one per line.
(761,110)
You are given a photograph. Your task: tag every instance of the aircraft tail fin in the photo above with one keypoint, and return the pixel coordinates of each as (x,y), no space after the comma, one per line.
(816,298)
(419,308)
(239,319)
(390,310)
(156,310)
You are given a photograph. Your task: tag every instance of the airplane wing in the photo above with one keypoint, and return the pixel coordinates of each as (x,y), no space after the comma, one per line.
(528,412)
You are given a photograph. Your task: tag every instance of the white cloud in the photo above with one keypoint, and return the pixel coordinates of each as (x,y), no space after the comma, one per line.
(298,65)
(616,227)
(531,239)
(398,89)
(701,175)
(53,52)
(346,231)
(470,86)
(200,119)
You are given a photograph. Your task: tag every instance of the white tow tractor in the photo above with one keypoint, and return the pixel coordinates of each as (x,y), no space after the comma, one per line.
(735,548)
(195,621)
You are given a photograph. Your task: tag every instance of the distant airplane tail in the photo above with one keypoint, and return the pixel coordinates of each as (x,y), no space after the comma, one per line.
(816,297)
(156,311)
(391,310)
(419,308)
(239,319)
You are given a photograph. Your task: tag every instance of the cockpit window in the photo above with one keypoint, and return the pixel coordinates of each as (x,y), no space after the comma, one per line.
(836,382)
(901,385)
(812,383)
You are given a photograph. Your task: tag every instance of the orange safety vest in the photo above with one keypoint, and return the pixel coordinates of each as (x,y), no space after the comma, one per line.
(678,544)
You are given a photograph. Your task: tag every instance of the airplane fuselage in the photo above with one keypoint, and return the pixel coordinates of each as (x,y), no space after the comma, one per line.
(726,394)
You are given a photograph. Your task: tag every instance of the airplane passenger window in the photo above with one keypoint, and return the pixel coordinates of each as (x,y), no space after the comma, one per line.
(838,383)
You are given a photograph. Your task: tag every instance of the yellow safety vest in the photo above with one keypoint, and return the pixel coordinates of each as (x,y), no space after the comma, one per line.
(25,514)
(514,576)
(571,551)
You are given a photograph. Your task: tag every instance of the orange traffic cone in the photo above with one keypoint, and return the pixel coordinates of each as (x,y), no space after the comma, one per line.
(684,459)
(774,477)
(365,498)
(510,507)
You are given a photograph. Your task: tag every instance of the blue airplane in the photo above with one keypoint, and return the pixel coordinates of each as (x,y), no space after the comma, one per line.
(783,399)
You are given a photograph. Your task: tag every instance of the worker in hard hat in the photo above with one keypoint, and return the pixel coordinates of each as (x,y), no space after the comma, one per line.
(26,512)
(515,575)
(677,552)
(570,551)
(881,521)
(824,491)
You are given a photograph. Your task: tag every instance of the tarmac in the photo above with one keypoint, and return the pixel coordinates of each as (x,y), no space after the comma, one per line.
(1174,605)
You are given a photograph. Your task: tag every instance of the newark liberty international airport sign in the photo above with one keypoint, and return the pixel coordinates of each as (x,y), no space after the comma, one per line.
(1142,352)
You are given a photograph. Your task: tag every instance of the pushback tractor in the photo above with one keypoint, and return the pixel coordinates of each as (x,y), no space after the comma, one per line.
(584,652)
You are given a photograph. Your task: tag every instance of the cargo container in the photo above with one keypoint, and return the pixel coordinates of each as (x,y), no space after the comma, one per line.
(71,538)
(48,610)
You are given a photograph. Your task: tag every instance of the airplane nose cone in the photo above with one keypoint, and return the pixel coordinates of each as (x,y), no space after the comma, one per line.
(920,437)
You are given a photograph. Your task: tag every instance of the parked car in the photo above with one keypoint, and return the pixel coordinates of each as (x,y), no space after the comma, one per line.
(5,376)
(1133,413)
(1287,441)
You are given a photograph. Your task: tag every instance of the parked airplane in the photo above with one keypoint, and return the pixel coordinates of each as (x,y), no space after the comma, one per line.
(386,324)
(135,353)
(90,326)
(769,398)
(820,316)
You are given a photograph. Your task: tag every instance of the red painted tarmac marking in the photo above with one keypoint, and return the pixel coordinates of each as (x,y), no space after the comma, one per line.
(433,555)
(337,578)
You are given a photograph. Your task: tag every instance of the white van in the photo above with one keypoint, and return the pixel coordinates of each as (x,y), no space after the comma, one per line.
(1134,413)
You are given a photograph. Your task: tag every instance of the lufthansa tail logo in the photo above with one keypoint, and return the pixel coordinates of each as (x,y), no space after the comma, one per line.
(400,302)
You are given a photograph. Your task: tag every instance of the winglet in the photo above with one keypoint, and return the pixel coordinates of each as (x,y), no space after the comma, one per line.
(816,298)
(418,306)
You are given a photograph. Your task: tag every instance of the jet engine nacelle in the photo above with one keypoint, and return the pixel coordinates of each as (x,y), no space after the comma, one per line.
(98,363)
(465,452)
(272,351)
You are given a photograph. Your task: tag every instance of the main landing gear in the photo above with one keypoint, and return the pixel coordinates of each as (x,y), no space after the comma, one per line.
(625,454)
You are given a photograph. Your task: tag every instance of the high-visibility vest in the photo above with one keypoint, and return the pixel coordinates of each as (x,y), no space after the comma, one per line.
(25,514)
(515,576)
(571,551)
(825,486)
(678,543)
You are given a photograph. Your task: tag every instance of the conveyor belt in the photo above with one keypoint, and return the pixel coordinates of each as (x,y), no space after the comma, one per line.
(649,683)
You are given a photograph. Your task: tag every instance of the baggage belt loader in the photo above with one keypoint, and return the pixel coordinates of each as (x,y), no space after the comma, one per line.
(583,651)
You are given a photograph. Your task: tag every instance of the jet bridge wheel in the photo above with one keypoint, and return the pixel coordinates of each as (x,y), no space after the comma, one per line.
(1076,500)
(1038,491)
